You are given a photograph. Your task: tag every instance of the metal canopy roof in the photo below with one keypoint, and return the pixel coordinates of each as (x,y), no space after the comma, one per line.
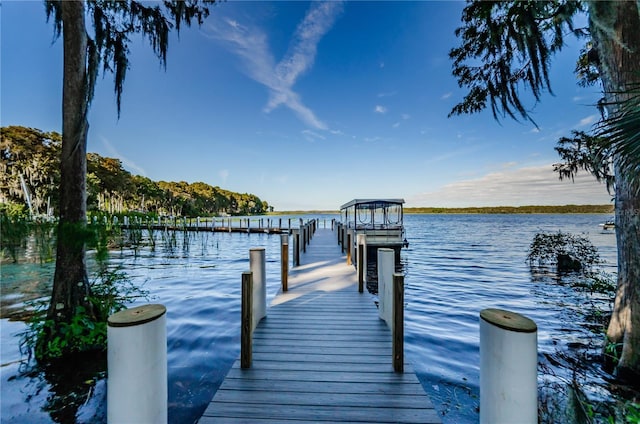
(363,201)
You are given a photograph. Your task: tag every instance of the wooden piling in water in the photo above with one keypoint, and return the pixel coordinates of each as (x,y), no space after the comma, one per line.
(284,257)
(247,320)
(398,322)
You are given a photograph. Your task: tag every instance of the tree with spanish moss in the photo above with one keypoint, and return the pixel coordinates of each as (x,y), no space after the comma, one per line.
(505,46)
(96,38)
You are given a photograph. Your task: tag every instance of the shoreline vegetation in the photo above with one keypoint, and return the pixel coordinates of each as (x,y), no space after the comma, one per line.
(532,209)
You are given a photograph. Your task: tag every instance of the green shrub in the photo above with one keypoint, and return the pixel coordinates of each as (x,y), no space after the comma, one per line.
(111,291)
(554,248)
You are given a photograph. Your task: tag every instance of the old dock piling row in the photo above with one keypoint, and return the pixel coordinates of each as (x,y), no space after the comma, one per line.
(321,355)
(216,224)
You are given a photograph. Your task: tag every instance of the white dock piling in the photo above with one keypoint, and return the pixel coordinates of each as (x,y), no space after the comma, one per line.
(386,268)
(508,368)
(137,365)
(258,269)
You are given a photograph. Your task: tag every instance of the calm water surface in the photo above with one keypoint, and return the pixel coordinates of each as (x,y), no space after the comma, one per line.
(456,265)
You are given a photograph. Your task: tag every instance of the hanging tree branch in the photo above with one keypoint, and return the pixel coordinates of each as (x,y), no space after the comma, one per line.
(505,46)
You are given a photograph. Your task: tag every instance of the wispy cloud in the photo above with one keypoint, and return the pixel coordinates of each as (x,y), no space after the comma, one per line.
(380,109)
(387,94)
(129,164)
(312,136)
(445,96)
(224,174)
(405,116)
(510,186)
(396,125)
(587,121)
(251,45)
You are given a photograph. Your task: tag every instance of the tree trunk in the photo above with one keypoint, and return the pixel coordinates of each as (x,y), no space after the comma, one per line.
(614,27)
(70,284)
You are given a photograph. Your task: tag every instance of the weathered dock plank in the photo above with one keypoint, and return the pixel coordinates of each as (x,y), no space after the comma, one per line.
(321,355)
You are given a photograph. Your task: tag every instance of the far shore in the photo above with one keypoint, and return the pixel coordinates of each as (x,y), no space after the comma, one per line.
(596,209)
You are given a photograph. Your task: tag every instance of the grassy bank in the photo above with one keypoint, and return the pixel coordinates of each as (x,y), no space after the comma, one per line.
(517,209)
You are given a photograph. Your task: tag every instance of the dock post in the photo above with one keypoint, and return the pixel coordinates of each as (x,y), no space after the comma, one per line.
(246,325)
(137,365)
(352,244)
(303,238)
(386,268)
(349,248)
(398,322)
(257,267)
(362,261)
(296,247)
(284,258)
(508,367)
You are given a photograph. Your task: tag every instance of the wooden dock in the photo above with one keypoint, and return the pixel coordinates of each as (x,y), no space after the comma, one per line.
(321,355)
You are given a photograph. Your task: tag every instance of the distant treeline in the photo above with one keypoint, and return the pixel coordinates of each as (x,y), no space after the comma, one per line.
(30,173)
(517,209)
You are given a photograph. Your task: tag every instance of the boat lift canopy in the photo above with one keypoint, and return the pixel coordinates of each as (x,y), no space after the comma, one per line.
(373,213)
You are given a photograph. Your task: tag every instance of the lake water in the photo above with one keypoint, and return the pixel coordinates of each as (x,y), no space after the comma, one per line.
(455,266)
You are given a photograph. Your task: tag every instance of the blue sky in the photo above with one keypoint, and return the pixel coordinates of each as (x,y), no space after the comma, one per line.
(308,105)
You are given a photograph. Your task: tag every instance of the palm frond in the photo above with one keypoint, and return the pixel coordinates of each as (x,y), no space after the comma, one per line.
(622,132)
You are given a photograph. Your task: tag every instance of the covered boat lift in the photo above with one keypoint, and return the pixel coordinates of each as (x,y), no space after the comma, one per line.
(381,220)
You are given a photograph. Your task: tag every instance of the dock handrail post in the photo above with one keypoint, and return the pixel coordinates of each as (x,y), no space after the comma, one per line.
(296,247)
(257,267)
(137,346)
(246,327)
(398,322)
(362,261)
(508,367)
(284,257)
(349,248)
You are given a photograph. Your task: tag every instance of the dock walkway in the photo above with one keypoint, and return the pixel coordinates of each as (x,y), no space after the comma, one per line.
(321,355)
